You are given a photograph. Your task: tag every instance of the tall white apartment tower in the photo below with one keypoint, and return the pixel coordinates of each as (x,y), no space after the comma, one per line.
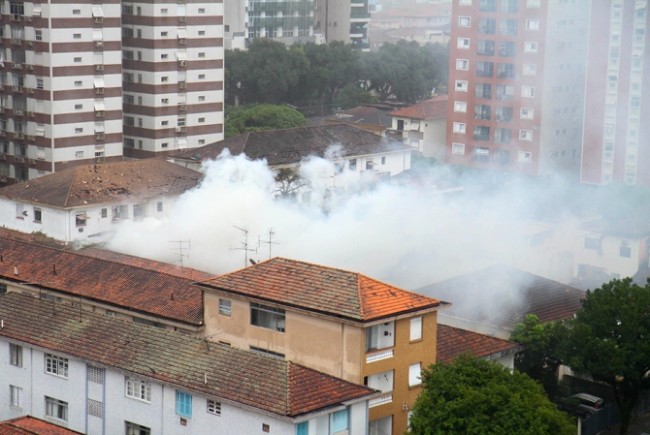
(61,77)
(173,75)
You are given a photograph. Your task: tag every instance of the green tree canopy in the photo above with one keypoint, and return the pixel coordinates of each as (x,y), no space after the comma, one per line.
(539,359)
(474,396)
(261,117)
(610,340)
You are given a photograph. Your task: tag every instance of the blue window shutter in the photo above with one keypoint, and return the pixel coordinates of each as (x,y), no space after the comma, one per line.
(302,428)
(183,404)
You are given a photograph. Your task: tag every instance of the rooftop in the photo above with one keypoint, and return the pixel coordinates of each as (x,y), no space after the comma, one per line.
(453,342)
(325,290)
(110,278)
(32,426)
(433,108)
(105,183)
(290,146)
(210,369)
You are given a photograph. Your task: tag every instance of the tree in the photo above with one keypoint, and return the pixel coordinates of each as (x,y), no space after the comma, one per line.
(539,359)
(289,182)
(261,117)
(475,396)
(609,339)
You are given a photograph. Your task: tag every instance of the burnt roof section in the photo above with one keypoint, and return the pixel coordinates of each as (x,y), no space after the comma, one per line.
(505,294)
(28,425)
(433,108)
(453,342)
(325,290)
(134,287)
(290,146)
(217,371)
(105,183)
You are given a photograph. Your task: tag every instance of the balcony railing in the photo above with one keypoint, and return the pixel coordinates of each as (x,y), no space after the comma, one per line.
(379,355)
(384,398)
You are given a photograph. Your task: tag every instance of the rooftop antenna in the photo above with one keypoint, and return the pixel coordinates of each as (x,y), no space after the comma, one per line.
(183,249)
(244,245)
(270,242)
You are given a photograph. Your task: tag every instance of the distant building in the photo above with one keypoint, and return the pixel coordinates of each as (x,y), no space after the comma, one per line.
(453,342)
(344,20)
(87,202)
(423,126)
(95,375)
(422,23)
(339,322)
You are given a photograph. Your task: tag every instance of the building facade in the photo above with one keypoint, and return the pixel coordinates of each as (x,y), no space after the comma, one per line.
(615,146)
(338,322)
(76,76)
(516,95)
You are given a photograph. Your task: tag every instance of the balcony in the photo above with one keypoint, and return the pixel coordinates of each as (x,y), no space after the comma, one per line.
(379,355)
(381,400)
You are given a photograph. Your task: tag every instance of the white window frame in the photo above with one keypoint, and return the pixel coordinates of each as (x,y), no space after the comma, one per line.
(532,24)
(460,106)
(460,127)
(528,91)
(15,355)
(531,46)
(213,407)
(225,307)
(526,135)
(415,374)
(529,69)
(525,157)
(137,389)
(56,409)
(526,113)
(463,43)
(415,330)
(15,396)
(462,64)
(464,21)
(461,85)
(533,3)
(56,365)
(458,148)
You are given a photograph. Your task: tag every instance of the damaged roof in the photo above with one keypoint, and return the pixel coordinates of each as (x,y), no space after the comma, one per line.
(138,287)
(105,183)
(211,369)
(434,108)
(452,342)
(325,290)
(290,146)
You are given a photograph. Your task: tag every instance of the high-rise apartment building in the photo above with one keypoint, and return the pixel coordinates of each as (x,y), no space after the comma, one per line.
(616,144)
(80,79)
(344,20)
(516,96)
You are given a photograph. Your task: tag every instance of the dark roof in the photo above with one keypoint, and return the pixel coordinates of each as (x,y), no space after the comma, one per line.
(434,108)
(105,183)
(27,425)
(502,296)
(322,289)
(290,146)
(211,369)
(453,342)
(137,287)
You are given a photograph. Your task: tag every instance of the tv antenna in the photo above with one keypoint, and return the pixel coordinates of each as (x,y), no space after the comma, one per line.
(183,249)
(244,245)
(270,242)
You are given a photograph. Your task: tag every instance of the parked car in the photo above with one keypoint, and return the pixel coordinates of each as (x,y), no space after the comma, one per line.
(582,403)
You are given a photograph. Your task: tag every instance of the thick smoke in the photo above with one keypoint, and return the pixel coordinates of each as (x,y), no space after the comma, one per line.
(409,235)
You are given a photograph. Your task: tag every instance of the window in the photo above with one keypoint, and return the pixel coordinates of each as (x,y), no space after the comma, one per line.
(15,355)
(503,114)
(138,389)
(506,71)
(159,206)
(482,111)
(508,27)
(163,34)
(526,113)
(592,243)
(302,428)
(201,10)
(532,24)
(463,43)
(481,132)
(77,59)
(340,421)
(56,408)
(625,250)
(416,328)
(509,6)
(487,26)
(78,83)
(488,5)
(485,48)
(120,212)
(459,127)
(201,120)
(225,307)
(352,164)
(15,394)
(56,365)
(38,214)
(460,106)
(414,375)
(95,374)
(79,130)
(458,148)
(530,69)
(164,79)
(201,53)
(528,91)
(183,404)
(507,49)
(483,91)
(164,123)
(104,212)
(464,21)
(530,47)
(526,135)
(201,76)
(505,92)
(136,429)
(80,218)
(533,3)
(380,336)
(39,84)
(76,12)
(214,407)
(461,85)
(525,156)
(462,64)
(267,317)
(138,211)
(465,2)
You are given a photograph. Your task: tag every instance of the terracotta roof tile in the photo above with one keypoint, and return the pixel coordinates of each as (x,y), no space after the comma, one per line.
(32,426)
(131,286)
(105,183)
(289,146)
(434,108)
(210,369)
(322,289)
(452,342)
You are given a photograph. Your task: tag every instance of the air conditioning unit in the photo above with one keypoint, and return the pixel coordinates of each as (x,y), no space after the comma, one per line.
(182,85)
(99,114)
(182,63)
(180,129)
(182,107)
(100,136)
(182,19)
(182,41)
(99,44)
(99,67)
(99,91)
(98,20)
(18,66)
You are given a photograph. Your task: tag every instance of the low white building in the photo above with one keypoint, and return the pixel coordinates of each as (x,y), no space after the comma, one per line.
(423,126)
(99,375)
(86,202)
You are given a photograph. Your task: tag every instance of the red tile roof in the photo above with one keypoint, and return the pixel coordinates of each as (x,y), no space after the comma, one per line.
(210,369)
(321,289)
(434,108)
(453,342)
(105,183)
(136,287)
(32,426)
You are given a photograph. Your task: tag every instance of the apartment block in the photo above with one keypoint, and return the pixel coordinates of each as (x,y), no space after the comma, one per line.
(517,79)
(615,147)
(338,322)
(344,20)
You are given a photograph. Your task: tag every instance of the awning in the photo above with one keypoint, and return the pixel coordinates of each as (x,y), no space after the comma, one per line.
(98,82)
(99,127)
(100,106)
(36,11)
(98,35)
(98,11)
